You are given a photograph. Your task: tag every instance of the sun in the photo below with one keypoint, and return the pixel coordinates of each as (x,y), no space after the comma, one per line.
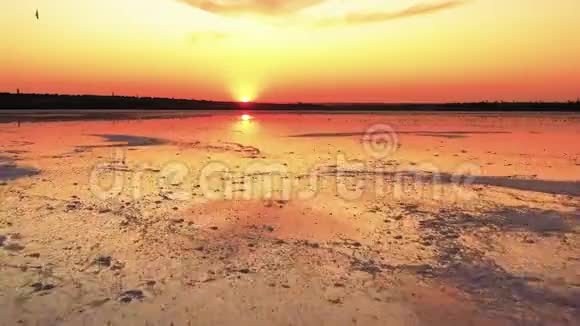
(246,117)
(246,99)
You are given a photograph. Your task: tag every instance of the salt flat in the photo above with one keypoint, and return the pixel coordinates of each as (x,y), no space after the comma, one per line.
(291,219)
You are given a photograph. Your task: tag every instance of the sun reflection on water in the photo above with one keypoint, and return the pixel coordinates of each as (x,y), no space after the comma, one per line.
(246,125)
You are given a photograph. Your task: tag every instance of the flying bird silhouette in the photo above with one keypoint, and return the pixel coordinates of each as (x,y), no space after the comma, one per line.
(37,16)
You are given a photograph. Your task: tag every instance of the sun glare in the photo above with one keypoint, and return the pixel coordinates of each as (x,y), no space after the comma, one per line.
(245,99)
(246,117)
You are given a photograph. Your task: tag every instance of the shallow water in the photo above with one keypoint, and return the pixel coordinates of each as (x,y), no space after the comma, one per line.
(542,145)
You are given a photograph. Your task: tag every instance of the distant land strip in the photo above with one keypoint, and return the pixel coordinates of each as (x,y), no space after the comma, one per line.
(12,101)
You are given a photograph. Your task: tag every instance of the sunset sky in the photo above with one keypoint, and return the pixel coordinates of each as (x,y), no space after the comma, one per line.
(294,50)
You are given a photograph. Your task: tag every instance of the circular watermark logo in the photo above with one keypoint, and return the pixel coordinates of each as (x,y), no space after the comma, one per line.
(380,141)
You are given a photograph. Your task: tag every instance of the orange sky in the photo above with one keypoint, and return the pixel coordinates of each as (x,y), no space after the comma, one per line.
(295,50)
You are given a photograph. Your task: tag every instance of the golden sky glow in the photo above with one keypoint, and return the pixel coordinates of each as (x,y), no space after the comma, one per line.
(295,50)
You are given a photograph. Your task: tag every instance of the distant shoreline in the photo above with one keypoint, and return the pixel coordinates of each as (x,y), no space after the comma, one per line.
(11,101)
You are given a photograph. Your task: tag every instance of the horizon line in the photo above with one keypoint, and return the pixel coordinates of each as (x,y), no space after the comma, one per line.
(575,101)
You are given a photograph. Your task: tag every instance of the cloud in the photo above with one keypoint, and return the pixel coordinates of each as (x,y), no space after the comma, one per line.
(291,9)
(264,7)
(373,17)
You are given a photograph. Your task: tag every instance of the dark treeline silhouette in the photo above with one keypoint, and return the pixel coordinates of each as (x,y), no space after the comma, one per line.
(97,102)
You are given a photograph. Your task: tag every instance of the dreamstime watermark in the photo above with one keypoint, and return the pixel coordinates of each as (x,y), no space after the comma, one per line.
(380,176)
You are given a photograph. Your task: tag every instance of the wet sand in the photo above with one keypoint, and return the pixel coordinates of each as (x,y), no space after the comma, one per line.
(292,219)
